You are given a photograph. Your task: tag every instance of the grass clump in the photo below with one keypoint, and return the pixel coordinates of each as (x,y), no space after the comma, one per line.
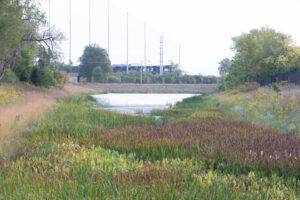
(76,118)
(80,152)
(231,147)
(76,172)
(9,94)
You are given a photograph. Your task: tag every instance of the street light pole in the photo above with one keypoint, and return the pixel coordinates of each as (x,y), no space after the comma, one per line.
(108,28)
(90,35)
(127,44)
(70,32)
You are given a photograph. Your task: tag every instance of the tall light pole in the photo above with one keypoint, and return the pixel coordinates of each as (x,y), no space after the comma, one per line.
(145,51)
(108,27)
(145,45)
(70,32)
(127,42)
(161,55)
(179,55)
(90,34)
(49,15)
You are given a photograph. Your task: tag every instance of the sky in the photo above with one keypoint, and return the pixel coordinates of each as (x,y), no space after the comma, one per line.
(203,28)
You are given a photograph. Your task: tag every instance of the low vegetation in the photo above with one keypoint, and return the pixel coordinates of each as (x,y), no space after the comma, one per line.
(194,151)
(9,94)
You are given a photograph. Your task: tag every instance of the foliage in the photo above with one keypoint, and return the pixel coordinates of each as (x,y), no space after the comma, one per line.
(77,172)
(248,87)
(94,56)
(21,23)
(9,94)
(42,76)
(76,118)
(59,77)
(98,75)
(10,77)
(265,107)
(259,54)
(167,78)
(224,67)
(23,68)
(70,154)
(233,147)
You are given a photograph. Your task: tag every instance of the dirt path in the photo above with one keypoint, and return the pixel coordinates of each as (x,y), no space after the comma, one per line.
(33,105)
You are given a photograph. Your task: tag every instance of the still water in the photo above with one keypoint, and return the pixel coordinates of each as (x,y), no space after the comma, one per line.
(139,103)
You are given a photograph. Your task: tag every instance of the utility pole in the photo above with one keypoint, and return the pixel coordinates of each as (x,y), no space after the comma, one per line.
(179,55)
(145,52)
(49,16)
(108,27)
(161,55)
(70,32)
(127,48)
(90,34)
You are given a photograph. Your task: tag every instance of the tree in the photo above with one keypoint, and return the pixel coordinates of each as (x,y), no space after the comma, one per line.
(259,54)
(98,75)
(20,24)
(224,66)
(94,56)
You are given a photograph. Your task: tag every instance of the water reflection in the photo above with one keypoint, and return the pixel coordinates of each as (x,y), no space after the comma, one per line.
(139,103)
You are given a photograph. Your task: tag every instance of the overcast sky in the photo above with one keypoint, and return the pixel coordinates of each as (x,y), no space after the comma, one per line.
(204,28)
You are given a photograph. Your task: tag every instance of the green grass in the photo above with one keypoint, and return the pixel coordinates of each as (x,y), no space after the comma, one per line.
(79,152)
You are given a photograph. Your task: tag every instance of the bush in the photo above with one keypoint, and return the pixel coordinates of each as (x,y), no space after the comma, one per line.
(42,77)
(99,75)
(23,72)
(60,78)
(10,77)
(114,79)
(248,87)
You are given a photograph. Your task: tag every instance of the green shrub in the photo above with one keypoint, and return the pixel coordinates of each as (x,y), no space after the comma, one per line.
(99,75)
(23,72)
(60,78)
(42,77)
(248,87)
(114,79)
(10,77)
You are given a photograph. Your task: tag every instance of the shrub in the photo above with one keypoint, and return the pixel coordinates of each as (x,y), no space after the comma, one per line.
(10,77)
(99,75)
(23,72)
(248,87)
(43,77)
(114,79)
(60,78)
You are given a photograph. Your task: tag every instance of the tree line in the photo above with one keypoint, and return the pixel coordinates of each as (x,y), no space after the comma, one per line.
(259,54)
(27,48)
(95,66)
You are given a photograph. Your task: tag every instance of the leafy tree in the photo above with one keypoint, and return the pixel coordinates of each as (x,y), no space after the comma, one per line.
(224,66)
(24,64)
(94,56)
(43,76)
(259,54)
(98,75)
(20,24)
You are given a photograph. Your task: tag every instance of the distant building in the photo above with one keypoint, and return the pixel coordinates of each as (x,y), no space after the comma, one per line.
(71,77)
(154,69)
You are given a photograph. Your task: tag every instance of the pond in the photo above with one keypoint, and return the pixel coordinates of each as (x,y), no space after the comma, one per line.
(139,103)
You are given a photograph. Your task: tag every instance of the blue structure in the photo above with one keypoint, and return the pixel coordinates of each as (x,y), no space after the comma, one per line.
(154,69)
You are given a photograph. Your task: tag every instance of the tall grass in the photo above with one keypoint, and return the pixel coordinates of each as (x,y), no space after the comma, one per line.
(76,117)
(75,172)
(71,154)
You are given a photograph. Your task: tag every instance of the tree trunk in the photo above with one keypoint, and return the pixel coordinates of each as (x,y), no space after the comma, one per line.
(3,72)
